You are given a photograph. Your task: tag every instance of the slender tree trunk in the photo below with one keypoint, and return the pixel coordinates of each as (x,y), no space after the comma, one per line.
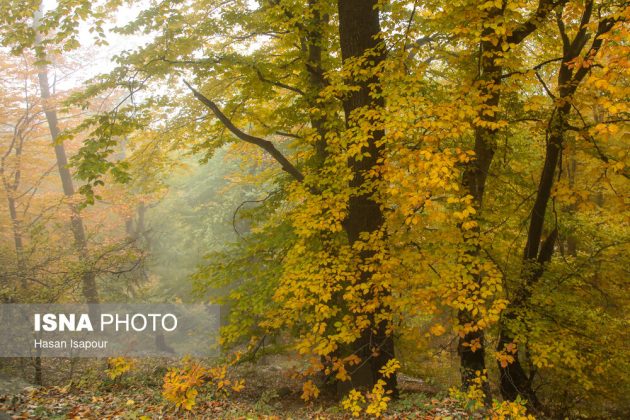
(17,239)
(313,40)
(474,179)
(476,173)
(514,381)
(359,27)
(38,379)
(11,184)
(571,238)
(90,291)
(315,71)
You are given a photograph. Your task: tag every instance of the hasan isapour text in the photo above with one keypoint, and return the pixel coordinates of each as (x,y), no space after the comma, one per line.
(72,344)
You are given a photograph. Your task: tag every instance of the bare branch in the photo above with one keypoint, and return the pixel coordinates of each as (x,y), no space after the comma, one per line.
(536,67)
(544,85)
(277,83)
(266,145)
(235,214)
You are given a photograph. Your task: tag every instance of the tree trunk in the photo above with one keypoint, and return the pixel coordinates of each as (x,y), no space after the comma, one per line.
(17,239)
(476,173)
(315,71)
(11,184)
(359,27)
(90,291)
(571,240)
(39,375)
(513,380)
(474,179)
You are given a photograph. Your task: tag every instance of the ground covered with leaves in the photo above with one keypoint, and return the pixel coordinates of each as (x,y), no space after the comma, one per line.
(270,393)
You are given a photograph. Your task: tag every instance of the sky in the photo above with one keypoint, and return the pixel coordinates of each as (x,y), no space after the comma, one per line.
(97,59)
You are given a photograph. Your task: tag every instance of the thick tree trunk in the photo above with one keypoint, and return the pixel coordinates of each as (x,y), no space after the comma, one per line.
(359,27)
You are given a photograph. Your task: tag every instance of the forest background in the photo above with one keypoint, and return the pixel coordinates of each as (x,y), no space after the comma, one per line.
(409,206)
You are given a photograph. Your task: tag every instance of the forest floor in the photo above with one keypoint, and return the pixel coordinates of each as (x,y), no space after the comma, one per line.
(270,393)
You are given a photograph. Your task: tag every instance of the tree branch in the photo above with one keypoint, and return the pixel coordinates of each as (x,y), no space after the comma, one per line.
(278,83)
(286,134)
(583,131)
(544,85)
(529,26)
(603,27)
(566,43)
(582,36)
(536,67)
(266,145)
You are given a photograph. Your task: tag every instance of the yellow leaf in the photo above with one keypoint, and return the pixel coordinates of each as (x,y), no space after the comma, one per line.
(437,330)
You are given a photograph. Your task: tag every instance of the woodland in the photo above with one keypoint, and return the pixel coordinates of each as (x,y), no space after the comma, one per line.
(405,208)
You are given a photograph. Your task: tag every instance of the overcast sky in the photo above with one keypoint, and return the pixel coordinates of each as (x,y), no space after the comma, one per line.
(96,59)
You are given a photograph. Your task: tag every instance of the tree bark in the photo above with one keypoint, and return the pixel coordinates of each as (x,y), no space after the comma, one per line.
(359,27)
(476,173)
(17,239)
(474,179)
(11,184)
(90,291)
(514,381)
(315,70)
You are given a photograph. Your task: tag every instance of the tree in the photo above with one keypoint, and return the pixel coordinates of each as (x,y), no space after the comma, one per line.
(90,291)
(359,29)
(538,253)
(404,149)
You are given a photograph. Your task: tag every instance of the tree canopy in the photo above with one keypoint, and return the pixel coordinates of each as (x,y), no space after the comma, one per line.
(377,186)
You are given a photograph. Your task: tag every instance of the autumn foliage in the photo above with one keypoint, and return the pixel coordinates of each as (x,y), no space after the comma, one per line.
(411,184)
